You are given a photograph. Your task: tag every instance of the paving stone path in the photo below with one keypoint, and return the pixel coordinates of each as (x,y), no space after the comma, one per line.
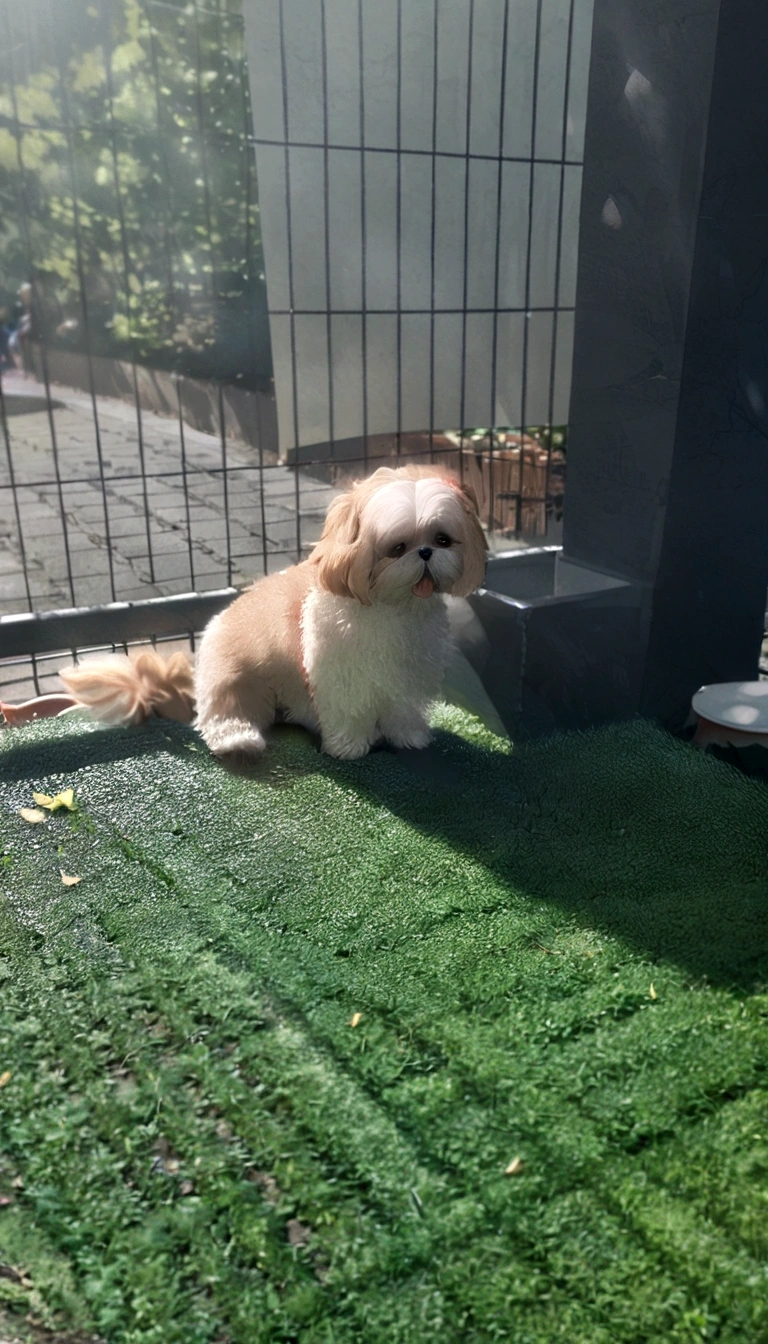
(89,522)
(180,524)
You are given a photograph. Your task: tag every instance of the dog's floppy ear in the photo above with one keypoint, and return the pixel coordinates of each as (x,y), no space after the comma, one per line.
(475,549)
(342,556)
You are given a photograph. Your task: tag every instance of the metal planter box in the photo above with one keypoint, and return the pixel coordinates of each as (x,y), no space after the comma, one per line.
(556,645)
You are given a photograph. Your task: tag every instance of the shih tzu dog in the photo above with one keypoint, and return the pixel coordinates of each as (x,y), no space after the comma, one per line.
(351,643)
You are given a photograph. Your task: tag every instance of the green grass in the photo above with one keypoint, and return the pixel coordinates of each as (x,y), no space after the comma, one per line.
(199,1147)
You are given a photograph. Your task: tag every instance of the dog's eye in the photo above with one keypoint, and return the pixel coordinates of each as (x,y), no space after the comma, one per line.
(397,550)
(442,540)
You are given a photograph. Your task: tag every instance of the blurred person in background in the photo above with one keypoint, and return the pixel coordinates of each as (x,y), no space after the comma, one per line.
(19,343)
(6,331)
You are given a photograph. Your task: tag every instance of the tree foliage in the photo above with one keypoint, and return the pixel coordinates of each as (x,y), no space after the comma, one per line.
(127,182)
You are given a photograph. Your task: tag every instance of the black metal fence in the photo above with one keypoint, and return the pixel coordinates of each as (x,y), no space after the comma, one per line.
(139,455)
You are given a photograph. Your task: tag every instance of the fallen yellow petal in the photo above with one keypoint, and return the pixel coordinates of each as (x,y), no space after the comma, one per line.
(355,1018)
(32,814)
(515,1167)
(64,799)
(69,881)
(653,993)
(5,1078)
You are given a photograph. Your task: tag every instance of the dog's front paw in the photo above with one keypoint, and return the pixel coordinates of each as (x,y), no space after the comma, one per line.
(413,741)
(346,748)
(231,739)
(409,732)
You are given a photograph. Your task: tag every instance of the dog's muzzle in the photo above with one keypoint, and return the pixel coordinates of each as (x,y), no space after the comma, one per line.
(426,585)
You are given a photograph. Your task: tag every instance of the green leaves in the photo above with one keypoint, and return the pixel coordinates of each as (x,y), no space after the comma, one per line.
(134,178)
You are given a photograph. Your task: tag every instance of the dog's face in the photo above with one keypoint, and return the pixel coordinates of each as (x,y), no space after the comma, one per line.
(404,533)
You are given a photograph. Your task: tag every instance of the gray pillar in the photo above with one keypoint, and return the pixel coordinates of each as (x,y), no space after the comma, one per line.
(668,453)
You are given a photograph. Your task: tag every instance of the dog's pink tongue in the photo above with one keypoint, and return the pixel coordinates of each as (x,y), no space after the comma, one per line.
(424,588)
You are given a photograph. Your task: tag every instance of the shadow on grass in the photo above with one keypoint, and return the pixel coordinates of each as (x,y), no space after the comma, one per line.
(626,828)
(22,759)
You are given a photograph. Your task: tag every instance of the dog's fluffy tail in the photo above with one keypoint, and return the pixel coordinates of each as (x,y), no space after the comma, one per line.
(128,690)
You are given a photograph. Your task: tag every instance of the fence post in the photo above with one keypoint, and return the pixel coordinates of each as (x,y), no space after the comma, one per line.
(668,445)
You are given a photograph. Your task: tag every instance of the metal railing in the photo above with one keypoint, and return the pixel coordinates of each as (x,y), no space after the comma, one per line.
(143,475)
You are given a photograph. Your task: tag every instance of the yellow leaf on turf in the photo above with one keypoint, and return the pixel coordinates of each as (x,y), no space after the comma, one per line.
(515,1167)
(69,881)
(64,799)
(5,1078)
(32,814)
(356,1017)
(653,993)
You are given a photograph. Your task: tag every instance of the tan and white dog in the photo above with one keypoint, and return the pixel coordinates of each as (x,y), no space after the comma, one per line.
(352,643)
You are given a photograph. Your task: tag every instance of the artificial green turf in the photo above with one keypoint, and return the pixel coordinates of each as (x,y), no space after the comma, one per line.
(558,954)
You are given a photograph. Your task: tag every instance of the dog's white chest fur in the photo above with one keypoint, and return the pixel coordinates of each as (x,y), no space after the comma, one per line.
(373,671)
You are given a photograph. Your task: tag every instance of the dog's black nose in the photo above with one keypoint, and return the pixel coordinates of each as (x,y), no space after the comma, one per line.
(425,552)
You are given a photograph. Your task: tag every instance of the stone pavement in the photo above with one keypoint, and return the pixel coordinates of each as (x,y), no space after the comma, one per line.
(177,525)
(168,524)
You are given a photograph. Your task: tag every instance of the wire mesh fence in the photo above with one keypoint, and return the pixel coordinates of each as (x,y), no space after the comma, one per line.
(419,173)
(149,445)
(30,675)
